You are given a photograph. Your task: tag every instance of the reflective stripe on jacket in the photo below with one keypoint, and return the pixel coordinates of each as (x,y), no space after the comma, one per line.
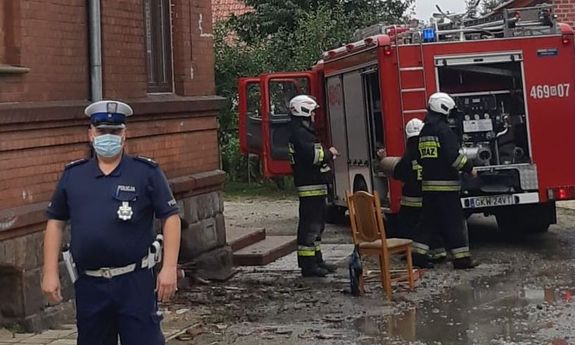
(311,190)
(438,154)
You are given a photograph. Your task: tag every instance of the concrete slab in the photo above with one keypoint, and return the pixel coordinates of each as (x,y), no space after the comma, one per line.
(333,253)
(239,237)
(266,251)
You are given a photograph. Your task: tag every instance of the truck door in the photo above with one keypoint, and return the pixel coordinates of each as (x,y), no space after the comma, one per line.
(265,130)
(250,117)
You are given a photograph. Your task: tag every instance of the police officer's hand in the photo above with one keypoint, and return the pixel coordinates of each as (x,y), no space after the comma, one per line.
(473,173)
(51,288)
(167,283)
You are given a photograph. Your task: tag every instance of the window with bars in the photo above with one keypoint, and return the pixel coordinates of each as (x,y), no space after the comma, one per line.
(158,45)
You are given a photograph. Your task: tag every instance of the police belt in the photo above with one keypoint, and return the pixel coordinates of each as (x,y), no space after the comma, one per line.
(150,260)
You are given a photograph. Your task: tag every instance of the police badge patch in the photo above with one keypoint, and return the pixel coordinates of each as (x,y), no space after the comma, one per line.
(125,211)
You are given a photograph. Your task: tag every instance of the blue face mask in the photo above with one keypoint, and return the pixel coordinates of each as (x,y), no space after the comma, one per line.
(108,145)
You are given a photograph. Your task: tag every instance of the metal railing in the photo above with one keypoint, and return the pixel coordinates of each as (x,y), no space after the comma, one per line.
(515,22)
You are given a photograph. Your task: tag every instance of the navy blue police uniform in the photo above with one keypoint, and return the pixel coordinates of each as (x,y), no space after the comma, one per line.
(111,218)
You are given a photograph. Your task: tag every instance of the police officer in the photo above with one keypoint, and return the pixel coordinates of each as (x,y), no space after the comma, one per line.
(111,201)
(442,163)
(310,164)
(408,170)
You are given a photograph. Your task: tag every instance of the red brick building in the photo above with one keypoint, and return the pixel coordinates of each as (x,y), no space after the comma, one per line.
(565,10)
(157,55)
(222,9)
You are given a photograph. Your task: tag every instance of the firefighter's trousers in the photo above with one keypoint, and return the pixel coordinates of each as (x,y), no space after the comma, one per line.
(442,217)
(310,228)
(409,219)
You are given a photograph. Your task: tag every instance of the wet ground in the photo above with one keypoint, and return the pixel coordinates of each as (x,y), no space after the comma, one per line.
(521,293)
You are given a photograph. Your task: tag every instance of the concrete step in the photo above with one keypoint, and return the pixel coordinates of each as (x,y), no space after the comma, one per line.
(266,251)
(239,238)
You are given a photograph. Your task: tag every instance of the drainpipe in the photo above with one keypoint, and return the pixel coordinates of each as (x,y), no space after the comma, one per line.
(95,21)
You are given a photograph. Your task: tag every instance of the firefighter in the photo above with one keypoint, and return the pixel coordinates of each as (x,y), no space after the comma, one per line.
(310,164)
(408,170)
(442,164)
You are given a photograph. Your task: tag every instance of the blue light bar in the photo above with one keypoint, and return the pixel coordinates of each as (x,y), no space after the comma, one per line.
(428,35)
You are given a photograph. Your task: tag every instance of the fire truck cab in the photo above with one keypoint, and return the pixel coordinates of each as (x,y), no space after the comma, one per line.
(511,76)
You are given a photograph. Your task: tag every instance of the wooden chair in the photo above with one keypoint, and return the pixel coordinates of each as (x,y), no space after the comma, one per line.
(369,236)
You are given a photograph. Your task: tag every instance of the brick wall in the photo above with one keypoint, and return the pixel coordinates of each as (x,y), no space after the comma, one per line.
(32,161)
(202,65)
(42,126)
(123,49)
(565,10)
(51,40)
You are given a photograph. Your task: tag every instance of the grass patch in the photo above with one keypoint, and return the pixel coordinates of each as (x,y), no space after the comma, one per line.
(265,190)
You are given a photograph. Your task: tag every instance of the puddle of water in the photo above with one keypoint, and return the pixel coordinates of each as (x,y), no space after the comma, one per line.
(483,312)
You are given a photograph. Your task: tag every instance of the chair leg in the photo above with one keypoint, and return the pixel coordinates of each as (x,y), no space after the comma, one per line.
(387,262)
(382,272)
(385,275)
(410,269)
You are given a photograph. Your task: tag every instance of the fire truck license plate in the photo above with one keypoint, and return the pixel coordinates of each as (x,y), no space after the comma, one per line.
(488,201)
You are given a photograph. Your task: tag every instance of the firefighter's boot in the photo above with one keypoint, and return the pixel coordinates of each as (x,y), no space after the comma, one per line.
(330,268)
(464,263)
(438,255)
(310,268)
(314,271)
(421,261)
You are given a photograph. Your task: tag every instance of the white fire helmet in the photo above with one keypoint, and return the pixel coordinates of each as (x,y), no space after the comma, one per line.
(302,105)
(441,102)
(413,128)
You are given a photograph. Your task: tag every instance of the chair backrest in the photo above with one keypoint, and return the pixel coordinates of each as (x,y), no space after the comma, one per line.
(365,216)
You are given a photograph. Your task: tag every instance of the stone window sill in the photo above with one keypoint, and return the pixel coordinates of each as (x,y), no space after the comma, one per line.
(10,69)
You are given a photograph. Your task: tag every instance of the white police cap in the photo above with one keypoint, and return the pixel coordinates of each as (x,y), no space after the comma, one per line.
(108,114)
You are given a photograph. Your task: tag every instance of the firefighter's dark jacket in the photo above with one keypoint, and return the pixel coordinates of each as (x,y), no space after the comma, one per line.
(439,155)
(409,172)
(309,159)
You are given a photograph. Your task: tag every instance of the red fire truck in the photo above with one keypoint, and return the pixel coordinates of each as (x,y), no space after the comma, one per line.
(511,76)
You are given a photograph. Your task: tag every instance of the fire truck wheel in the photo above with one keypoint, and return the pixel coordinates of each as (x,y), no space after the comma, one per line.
(336,215)
(526,218)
